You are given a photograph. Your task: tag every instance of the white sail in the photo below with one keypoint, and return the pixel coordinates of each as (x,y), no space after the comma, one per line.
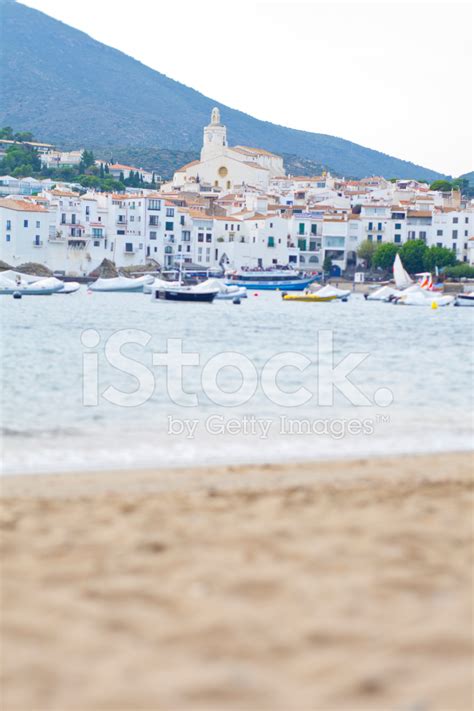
(401,277)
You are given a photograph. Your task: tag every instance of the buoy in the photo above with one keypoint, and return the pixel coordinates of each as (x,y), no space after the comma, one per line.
(236,300)
(434,305)
(255,293)
(17,295)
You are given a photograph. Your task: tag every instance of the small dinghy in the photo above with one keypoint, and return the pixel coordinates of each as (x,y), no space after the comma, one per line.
(464,299)
(427,299)
(70,287)
(121,283)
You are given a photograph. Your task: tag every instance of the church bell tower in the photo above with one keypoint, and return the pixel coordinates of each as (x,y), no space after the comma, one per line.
(215,137)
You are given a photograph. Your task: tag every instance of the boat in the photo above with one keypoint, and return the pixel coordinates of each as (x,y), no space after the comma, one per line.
(330,290)
(121,283)
(464,299)
(69,287)
(148,288)
(383,293)
(310,297)
(40,287)
(400,276)
(183,293)
(224,291)
(415,298)
(287,279)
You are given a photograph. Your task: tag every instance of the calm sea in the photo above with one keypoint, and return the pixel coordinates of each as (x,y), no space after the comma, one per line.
(416,381)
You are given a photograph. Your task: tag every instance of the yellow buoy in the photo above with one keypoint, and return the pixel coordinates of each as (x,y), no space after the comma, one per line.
(434,305)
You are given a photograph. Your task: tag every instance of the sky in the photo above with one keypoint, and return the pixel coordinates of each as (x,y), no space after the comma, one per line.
(393,76)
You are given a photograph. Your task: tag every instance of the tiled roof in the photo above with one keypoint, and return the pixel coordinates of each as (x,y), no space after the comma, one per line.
(22,205)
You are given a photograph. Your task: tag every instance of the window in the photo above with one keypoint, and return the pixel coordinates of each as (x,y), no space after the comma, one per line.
(371,226)
(439,244)
(170,212)
(88,210)
(208,238)
(238,228)
(226,226)
(181,220)
(129,246)
(97,231)
(9,238)
(271,242)
(422,236)
(200,236)
(154,220)
(96,243)
(439,233)
(169,226)
(25,223)
(120,232)
(398,226)
(379,238)
(466,233)
(63,218)
(152,235)
(370,238)
(466,220)
(455,234)
(38,224)
(397,238)
(132,218)
(188,248)
(302,244)
(314,229)
(37,240)
(154,205)
(186,236)
(301,228)
(73,219)
(9,224)
(379,226)
(455,220)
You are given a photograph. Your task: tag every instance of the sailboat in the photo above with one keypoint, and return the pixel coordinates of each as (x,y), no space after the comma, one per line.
(403,283)
(400,275)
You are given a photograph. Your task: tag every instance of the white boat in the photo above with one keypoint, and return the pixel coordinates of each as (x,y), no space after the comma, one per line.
(121,283)
(416,298)
(69,287)
(330,290)
(466,299)
(223,290)
(383,293)
(40,287)
(158,283)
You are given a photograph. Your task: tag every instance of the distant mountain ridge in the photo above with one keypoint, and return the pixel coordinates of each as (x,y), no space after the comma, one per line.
(70,89)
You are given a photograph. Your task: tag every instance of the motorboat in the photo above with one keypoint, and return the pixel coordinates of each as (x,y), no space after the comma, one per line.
(466,299)
(69,287)
(40,287)
(423,299)
(330,290)
(156,282)
(224,291)
(310,297)
(283,279)
(167,292)
(121,283)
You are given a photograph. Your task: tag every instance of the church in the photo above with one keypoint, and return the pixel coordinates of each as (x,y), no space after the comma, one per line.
(223,167)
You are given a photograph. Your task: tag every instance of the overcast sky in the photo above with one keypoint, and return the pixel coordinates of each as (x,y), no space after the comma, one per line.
(396,77)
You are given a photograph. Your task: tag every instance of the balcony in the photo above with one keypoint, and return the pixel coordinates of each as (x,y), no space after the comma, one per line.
(375,227)
(37,244)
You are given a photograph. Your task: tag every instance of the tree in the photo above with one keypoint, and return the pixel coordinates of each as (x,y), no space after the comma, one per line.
(122,177)
(106,169)
(411,254)
(102,171)
(87,159)
(460,271)
(384,256)
(366,252)
(438,257)
(327,264)
(22,136)
(444,185)
(6,133)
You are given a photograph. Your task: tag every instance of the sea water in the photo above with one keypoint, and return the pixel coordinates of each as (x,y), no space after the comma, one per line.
(415,377)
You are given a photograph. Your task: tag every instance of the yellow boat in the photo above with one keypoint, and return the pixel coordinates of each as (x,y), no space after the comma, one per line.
(307,297)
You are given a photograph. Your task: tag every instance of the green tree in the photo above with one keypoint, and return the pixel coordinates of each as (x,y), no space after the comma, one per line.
(438,257)
(384,256)
(122,177)
(412,254)
(22,136)
(460,271)
(6,133)
(20,160)
(106,169)
(89,181)
(327,264)
(87,159)
(443,185)
(366,252)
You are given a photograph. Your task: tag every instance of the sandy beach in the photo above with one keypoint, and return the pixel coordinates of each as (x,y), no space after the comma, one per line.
(326,586)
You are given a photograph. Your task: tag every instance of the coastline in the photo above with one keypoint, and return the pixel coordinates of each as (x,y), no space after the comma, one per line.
(337,585)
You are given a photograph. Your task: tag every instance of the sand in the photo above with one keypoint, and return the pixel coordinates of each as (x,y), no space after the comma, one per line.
(342,585)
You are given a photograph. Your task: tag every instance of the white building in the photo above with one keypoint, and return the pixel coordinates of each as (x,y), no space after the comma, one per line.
(223,167)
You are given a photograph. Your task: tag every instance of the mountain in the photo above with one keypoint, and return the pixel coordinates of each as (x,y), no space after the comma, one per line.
(69,89)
